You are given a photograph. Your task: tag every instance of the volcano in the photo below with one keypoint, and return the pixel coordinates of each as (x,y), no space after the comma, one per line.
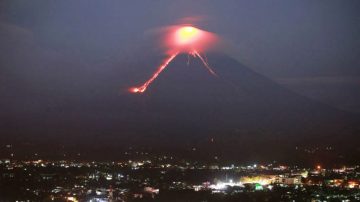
(239,108)
(236,114)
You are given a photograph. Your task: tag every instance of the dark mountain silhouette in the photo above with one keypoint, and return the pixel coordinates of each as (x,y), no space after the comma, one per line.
(237,114)
(238,110)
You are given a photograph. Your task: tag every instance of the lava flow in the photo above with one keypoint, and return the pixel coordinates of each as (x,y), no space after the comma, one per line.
(206,64)
(143,87)
(186,39)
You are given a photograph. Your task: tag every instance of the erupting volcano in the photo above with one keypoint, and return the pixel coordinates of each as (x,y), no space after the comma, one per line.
(182,39)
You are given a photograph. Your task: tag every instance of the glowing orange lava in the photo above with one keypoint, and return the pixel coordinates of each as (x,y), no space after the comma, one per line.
(182,39)
(205,63)
(143,87)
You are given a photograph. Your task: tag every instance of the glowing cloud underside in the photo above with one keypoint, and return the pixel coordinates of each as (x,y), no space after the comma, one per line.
(185,39)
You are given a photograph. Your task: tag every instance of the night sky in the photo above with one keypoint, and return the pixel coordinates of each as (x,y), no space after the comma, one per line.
(65,62)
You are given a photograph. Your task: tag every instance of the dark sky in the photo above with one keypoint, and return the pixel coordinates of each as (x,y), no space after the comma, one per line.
(311,47)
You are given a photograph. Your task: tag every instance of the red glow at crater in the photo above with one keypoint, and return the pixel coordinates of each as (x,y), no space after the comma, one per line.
(182,39)
(188,38)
